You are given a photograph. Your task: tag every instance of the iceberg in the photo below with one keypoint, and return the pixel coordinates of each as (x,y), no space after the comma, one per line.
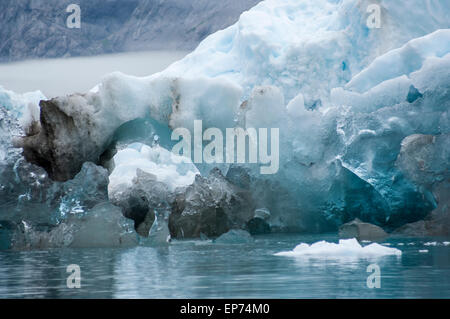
(345,97)
(345,248)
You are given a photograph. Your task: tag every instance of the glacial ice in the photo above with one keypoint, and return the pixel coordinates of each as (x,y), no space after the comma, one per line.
(24,106)
(167,167)
(345,248)
(37,212)
(344,96)
(159,232)
(433,243)
(424,160)
(309,46)
(102,226)
(361,231)
(210,207)
(235,236)
(50,214)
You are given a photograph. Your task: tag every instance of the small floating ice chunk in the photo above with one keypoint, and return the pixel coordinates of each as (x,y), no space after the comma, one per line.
(235,236)
(423,251)
(432,243)
(446,243)
(345,248)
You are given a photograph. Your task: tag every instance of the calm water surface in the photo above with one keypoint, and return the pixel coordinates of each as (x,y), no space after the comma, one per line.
(57,77)
(203,269)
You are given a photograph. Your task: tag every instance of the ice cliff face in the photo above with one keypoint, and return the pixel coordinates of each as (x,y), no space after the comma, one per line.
(424,159)
(37,28)
(344,96)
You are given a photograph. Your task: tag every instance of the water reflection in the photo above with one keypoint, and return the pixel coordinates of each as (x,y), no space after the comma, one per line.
(207,270)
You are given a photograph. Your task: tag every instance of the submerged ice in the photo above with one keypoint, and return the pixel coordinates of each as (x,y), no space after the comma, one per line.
(349,102)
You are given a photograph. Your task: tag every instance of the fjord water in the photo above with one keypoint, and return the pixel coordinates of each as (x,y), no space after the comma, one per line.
(204,269)
(58,77)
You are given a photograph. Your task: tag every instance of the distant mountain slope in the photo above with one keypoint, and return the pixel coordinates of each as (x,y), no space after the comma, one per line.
(37,28)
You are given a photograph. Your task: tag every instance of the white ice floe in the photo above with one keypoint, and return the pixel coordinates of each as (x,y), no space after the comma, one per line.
(345,248)
(435,243)
(432,243)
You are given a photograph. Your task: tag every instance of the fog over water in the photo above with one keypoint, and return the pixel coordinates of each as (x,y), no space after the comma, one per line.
(56,77)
